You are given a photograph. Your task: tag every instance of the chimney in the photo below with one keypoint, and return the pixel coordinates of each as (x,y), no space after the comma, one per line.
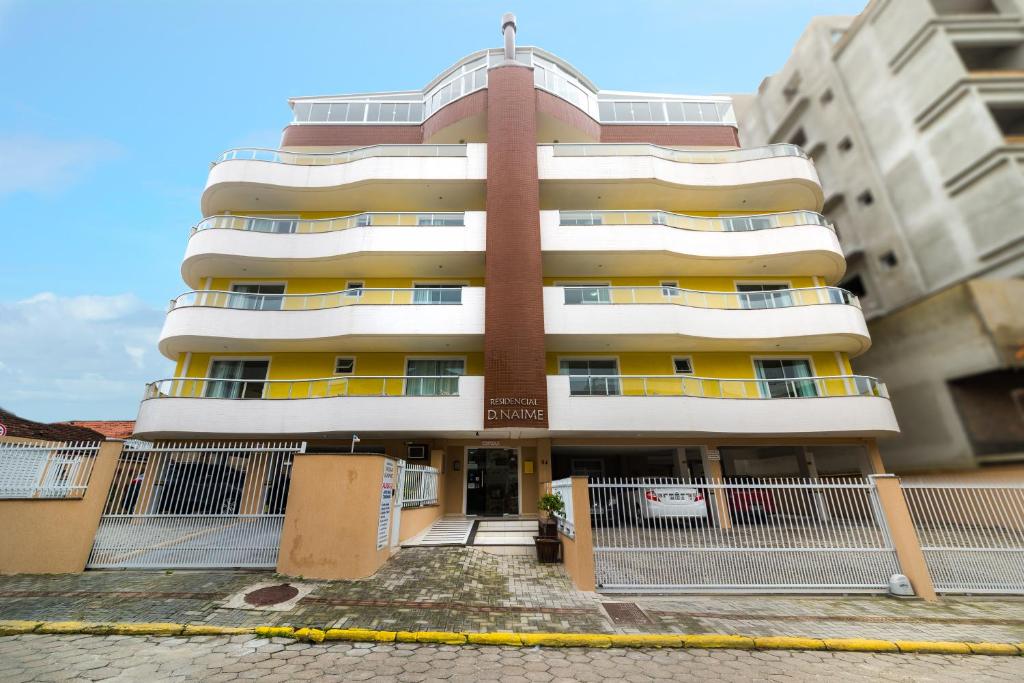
(508,29)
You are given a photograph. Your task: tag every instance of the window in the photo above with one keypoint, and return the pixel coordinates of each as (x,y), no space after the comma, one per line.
(759,295)
(363,220)
(344,366)
(746,223)
(354,289)
(256,297)
(845,145)
(580,218)
(799,138)
(280,226)
(889,260)
(437,294)
(865,198)
(789,92)
(440,219)
(237,379)
(855,286)
(670,289)
(682,366)
(433,376)
(587,294)
(826,96)
(591,376)
(785,378)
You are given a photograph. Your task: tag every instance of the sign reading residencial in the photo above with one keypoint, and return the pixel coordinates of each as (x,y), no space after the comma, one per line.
(387,494)
(516,408)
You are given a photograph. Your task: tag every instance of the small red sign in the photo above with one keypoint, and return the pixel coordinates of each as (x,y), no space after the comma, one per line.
(3,429)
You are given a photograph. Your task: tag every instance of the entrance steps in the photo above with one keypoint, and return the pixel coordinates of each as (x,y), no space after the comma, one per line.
(445,531)
(496,536)
(501,532)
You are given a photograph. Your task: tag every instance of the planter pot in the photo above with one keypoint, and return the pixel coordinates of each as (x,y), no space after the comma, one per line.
(547,528)
(549,550)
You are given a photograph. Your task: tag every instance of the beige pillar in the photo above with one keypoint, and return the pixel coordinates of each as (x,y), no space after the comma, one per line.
(256,472)
(543,460)
(331,520)
(55,535)
(719,498)
(809,470)
(873,458)
(578,552)
(904,537)
(150,471)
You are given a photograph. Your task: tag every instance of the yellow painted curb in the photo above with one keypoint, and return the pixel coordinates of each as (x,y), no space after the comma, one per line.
(565,639)
(645,640)
(719,641)
(14,627)
(994,649)
(860,645)
(933,647)
(510,639)
(592,640)
(788,643)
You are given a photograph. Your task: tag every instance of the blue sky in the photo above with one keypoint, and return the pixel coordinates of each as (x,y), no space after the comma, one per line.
(112,111)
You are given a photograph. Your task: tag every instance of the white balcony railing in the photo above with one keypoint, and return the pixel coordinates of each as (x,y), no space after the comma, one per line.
(690,156)
(698,223)
(288,389)
(777,298)
(304,226)
(428,296)
(278,156)
(826,386)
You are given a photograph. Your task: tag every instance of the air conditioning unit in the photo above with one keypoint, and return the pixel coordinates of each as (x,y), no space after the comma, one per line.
(417,451)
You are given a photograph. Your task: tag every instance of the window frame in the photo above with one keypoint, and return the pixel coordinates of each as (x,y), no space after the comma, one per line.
(351,372)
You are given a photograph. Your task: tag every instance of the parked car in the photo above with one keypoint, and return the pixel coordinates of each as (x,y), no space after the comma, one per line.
(607,509)
(201,488)
(751,505)
(670,502)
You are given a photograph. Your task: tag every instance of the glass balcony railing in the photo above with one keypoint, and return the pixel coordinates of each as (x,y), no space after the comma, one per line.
(246,301)
(278,156)
(325,387)
(776,298)
(715,387)
(699,223)
(305,226)
(690,156)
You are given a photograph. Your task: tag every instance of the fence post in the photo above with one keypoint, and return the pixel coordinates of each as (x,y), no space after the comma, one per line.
(904,537)
(579,551)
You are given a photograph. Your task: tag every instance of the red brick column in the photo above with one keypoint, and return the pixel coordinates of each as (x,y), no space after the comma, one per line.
(515,381)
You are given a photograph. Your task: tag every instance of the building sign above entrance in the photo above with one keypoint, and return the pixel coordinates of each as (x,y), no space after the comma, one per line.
(517,410)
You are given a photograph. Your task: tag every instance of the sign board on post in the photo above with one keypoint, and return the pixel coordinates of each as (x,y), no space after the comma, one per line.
(387,495)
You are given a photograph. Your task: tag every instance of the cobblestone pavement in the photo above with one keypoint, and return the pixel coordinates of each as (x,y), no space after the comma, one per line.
(217,659)
(467,589)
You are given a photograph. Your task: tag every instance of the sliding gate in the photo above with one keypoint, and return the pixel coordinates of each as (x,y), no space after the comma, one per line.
(195,505)
(772,535)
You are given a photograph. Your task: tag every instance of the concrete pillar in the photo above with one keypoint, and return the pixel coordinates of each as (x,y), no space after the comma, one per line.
(809,470)
(578,552)
(681,466)
(872,462)
(712,460)
(904,537)
(150,471)
(543,460)
(253,489)
(331,520)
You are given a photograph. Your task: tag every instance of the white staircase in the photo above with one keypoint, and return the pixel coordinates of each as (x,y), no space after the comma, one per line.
(501,532)
(445,531)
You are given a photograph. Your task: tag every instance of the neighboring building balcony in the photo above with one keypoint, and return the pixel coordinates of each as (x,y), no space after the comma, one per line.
(363,245)
(617,243)
(332,406)
(684,405)
(638,176)
(419,319)
(380,177)
(669,318)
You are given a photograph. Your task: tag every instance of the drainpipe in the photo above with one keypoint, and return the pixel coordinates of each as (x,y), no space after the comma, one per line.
(508,29)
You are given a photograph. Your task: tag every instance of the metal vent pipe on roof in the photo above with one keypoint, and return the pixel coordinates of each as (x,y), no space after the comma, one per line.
(508,28)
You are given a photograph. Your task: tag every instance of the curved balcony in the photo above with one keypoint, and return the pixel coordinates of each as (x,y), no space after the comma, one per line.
(448,319)
(379,177)
(333,406)
(636,176)
(624,243)
(364,245)
(675,405)
(669,318)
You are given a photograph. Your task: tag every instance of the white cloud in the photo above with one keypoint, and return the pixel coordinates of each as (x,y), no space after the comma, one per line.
(32,163)
(81,357)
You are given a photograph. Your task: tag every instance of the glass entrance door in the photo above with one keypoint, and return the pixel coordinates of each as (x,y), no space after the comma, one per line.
(492,482)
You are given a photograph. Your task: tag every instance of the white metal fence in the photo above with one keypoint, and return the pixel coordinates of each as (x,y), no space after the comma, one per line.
(767,535)
(52,469)
(972,535)
(419,486)
(195,504)
(566,520)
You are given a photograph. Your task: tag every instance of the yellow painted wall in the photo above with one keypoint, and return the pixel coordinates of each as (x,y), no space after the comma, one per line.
(707,284)
(319,285)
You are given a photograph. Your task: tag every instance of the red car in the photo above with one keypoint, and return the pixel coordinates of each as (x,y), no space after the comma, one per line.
(750,504)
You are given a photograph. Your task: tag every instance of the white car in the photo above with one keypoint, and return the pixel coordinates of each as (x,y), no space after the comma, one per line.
(669,502)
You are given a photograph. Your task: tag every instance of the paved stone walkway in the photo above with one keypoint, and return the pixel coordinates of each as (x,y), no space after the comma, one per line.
(218,659)
(467,589)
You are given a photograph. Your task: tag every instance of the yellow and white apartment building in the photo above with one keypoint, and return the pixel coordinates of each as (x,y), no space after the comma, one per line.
(515,276)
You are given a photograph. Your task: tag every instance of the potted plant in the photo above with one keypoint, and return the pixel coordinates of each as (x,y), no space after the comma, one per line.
(549,504)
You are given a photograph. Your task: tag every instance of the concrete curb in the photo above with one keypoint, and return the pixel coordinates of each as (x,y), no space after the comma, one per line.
(706,641)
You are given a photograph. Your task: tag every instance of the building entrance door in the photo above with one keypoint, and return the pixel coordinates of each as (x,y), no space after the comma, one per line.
(492,482)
